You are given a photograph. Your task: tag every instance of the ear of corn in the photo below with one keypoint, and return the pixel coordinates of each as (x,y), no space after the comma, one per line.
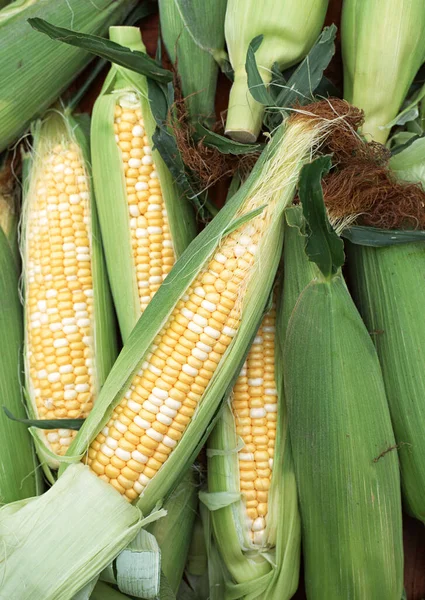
(18,474)
(250,468)
(389,293)
(289,28)
(181,509)
(145,224)
(343,446)
(69,326)
(140,434)
(193,58)
(24,52)
(382,52)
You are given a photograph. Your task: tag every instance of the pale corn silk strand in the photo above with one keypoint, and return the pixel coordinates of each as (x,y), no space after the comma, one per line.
(151,242)
(254,406)
(59,290)
(147,424)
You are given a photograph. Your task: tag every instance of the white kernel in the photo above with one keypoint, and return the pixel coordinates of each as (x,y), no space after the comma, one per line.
(35,324)
(154,174)
(143,285)
(169,442)
(56,327)
(69,329)
(212,332)
(155,401)
(269,329)
(259,537)
(229,331)
(154,279)
(51,293)
(144,479)
(154,370)
(138,487)
(134,406)
(82,387)
(58,168)
(271,408)
(167,244)
(79,306)
(164,419)
(147,405)
(123,454)
(65,441)
(257,413)
(187,313)
(139,457)
(209,306)
(258,340)
(199,354)
(52,437)
(83,250)
(166,410)
(270,463)
(141,233)
(154,230)
(44,319)
(69,395)
(53,377)
(138,131)
(154,435)
(256,381)
(259,524)
(200,292)
(147,160)
(74,198)
(42,305)
(219,257)
(87,340)
(133,223)
(174,404)
(141,186)
(105,431)
(239,251)
(134,163)
(246,456)
(106,450)
(60,343)
(83,258)
(48,403)
(204,347)
(199,320)
(83,323)
(194,327)
(134,210)
(147,150)
(68,321)
(142,423)
(252,248)
(245,240)
(162,394)
(66,369)
(191,371)
(270,392)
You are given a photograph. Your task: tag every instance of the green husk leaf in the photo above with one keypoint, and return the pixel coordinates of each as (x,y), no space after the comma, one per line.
(388,288)
(102,591)
(339,424)
(178,524)
(255,83)
(323,246)
(372,236)
(216,500)
(111,194)
(74,424)
(136,61)
(24,52)
(409,164)
(205,26)
(226,146)
(19,477)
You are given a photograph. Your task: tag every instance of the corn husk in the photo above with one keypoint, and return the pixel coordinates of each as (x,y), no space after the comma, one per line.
(109,183)
(388,291)
(25,53)
(269,570)
(263,197)
(9,204)
(60,127)
(382,51)
(102,591)
(290,29)
(346,464)
(19,477)
(193,34)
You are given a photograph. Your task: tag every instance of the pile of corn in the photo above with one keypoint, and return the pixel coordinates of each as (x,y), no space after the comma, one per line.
(189,407)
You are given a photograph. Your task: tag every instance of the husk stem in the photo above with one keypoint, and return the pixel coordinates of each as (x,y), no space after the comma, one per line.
(342,439)
(111,194)
(25,52)
(382,51)
(286,41)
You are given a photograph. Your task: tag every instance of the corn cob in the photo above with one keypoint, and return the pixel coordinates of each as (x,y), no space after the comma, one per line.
(139,206)
(382,52)
(343,445)
(18,474)
(236,256)
(286,41)
(24,52)
(266,516)
(193,58)
(69,334)
(388,292)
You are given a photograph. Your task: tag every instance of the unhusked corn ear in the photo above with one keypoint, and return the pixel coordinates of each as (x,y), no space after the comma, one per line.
(139,207)
(343,445)
(285,42)
(9,204)
(265,516)
(25,53)
(195,59)
(382,53)
(142,428)
(388,291)
(69,330)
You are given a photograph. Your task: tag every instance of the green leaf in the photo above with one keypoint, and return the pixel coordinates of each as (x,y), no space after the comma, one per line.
(323,245)
(308,75)
(378,238)
(255,82)
(225,145)
(131,59)
(409,112)
(74,424)
(206,27)
(165,591)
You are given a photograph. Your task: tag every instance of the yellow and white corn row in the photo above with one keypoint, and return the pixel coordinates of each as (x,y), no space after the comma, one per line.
(59,290)
(254,405)
(148,423)
(150,234)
